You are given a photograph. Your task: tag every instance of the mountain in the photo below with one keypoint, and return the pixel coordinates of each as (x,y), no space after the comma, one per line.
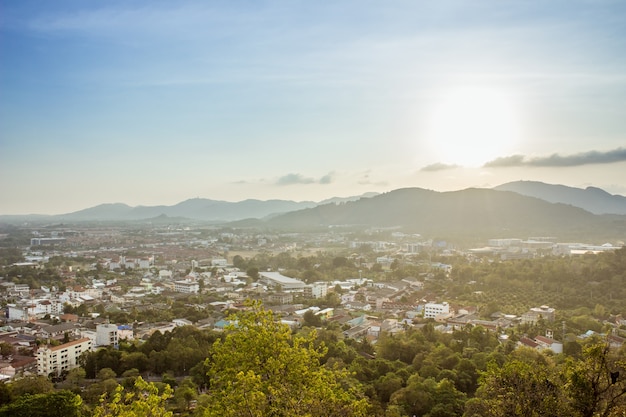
(592,199)
(471,212)
(195,209)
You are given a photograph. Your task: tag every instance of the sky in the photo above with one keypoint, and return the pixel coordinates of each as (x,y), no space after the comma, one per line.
(155,102)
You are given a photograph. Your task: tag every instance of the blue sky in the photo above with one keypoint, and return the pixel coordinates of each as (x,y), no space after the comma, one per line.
(148,102)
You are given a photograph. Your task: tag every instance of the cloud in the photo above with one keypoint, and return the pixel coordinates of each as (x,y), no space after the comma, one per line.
(506,161)
(326,179)
(438,167)
(292,179)
(556,160)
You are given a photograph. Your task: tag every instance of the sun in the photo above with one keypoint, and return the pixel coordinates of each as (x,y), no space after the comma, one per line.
(469,126)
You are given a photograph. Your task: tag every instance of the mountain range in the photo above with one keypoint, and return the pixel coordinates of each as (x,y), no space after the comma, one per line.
(522,208)
(474,212)
(594,200)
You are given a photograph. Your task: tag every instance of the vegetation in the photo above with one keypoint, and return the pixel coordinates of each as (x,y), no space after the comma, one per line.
(261,369)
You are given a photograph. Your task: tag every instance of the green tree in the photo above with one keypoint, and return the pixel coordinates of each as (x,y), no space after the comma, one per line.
(142,400)
(6,349)
(311,319)
(261,369)
(596,384)
(525,386)
(53,404)
(253,272)
(185,393)
(31,385)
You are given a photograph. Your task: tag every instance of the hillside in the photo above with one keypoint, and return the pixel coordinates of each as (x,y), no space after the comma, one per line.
(471,212)
(592,199)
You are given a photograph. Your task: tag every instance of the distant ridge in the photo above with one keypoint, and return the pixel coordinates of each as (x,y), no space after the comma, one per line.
(592,199)
(471,213)
(195,209)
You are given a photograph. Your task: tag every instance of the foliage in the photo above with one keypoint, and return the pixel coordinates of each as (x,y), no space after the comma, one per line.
(52,404)
(260,369)
(142,400)
(531,384)
(31,385)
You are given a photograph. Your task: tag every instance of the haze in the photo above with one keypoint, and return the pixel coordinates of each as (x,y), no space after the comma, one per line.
(152,102)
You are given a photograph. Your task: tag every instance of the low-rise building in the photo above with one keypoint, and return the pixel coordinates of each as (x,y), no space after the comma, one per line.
(317,290)
(432,310)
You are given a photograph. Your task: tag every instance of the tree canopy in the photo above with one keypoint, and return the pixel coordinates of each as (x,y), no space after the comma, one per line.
(262,369)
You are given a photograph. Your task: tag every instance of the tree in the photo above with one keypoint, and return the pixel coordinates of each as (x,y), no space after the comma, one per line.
(6,349)
(75,378)
(527,385)
(185,394)
(53,404)
(142,400)
(311,319)
(261,369)
(31,385)
(253,272)
(597,383)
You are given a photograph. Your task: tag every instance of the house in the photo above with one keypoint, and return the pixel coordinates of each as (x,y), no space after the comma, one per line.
(58,331)
(17,366)
(527,342)
(549,343)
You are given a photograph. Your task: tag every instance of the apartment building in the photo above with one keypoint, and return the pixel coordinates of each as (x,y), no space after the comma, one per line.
(432,310)
(56,359)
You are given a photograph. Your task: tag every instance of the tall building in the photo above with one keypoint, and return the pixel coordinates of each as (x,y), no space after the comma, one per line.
(56,359)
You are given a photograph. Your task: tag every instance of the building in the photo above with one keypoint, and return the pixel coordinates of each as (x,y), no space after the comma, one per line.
(106,335)
(281,298)
(56,359)
(432,310)
(187,286)
(545,342)
(39,241)
(276,279)
(533,315)
(317,290)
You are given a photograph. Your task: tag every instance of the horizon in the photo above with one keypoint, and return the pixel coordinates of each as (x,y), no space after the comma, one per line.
(278,199)
(150,103)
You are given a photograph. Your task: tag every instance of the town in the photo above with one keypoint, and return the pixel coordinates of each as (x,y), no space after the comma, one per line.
(71,291)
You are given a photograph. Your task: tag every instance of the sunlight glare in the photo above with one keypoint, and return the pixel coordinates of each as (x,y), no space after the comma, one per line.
(469,126)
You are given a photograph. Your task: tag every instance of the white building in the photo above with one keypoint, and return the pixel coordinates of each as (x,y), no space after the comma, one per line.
(432,310)
(106,335)
(187,286)
(56,359)
(276,279)
(317,290)
(219,262)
